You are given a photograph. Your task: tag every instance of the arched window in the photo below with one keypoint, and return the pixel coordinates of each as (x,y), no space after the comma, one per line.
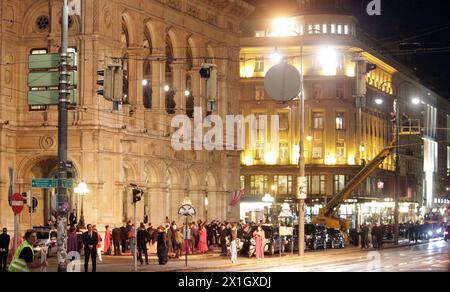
(189,97)
(147,72)
(189,58)
(125,44)
(168,87)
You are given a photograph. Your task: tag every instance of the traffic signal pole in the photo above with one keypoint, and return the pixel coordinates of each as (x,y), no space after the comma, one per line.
(135,238)
(64,90)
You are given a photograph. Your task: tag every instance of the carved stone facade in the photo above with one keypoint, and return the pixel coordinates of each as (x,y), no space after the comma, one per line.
(109,149)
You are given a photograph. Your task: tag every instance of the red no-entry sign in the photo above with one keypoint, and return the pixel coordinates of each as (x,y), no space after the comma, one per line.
(17,203)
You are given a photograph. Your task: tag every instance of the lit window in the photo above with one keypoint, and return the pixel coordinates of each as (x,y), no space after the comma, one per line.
(301,30)
(345,29)
(339,183)
(324,28)
(283,184)
(242,179)
(310,29)
(333,28)
(260,33)
(317,152)
(318,121)
(258,185)
(317,185)
(339,29)
(259,64)
(317,29)
(340,149)
(340,121)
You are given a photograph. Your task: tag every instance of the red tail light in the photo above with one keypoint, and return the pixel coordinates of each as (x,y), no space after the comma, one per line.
(445,232)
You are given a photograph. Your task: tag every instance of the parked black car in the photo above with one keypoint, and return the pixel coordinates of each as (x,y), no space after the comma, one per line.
(446,233)
(315,237)
(272,242)
(335,238)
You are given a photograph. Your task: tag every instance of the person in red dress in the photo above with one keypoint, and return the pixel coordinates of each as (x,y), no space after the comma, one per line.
(203,244)
(260,238)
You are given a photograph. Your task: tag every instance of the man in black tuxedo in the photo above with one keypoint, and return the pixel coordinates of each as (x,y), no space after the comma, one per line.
(90,240)
(4,248)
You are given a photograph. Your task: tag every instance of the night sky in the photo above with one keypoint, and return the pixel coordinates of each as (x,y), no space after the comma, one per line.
(426,22)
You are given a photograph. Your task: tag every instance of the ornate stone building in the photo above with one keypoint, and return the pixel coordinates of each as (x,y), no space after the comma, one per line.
(161,44)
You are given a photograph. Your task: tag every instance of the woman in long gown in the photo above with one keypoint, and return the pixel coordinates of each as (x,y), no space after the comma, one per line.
(153,243)
(162,247)
(202,243)
(259,237)
(107,247)
(72,240)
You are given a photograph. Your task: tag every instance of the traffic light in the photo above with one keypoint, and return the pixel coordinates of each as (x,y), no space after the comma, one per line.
(34,204)
(106,82)
(205,71)
(27,198)
(209,72)
(137,193)
(113,83)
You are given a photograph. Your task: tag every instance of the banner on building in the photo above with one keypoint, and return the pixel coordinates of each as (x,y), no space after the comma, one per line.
(236,197)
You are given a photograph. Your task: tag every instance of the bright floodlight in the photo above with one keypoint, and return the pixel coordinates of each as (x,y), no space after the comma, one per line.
(379,101)
(187,92)
(283,27)
(276,57)
(166,88)
(416,101)
(328,61)
(187,201)
(81,188)
(144,82)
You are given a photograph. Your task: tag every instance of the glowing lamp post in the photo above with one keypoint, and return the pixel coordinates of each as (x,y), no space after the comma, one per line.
(186,210)
(81,190)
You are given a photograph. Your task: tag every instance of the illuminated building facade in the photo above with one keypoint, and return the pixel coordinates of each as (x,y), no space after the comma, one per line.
(160,44)
(342,132)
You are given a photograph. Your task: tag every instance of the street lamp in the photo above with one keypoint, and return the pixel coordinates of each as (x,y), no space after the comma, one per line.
(186,210)
(268,199)
(328,59)
(81,190)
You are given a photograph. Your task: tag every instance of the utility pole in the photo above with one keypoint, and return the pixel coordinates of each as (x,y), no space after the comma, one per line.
(397,169)
(301,163)
(64,90)
(135,238)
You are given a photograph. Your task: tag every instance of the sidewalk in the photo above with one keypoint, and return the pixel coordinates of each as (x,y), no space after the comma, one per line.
(214,261)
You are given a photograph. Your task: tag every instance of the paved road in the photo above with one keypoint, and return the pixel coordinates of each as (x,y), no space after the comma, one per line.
(432,256)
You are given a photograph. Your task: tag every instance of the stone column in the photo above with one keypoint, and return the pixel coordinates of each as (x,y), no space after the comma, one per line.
(179,84)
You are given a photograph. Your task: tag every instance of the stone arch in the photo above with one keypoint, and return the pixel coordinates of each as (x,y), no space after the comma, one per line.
(42,166)
(212,180)
(153,176)
(35,10)
(128,24)
(128,172)
(176,43)
(193,178)
(29,162)
(173,177)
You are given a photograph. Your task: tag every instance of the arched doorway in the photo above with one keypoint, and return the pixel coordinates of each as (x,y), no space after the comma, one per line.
(43,167)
